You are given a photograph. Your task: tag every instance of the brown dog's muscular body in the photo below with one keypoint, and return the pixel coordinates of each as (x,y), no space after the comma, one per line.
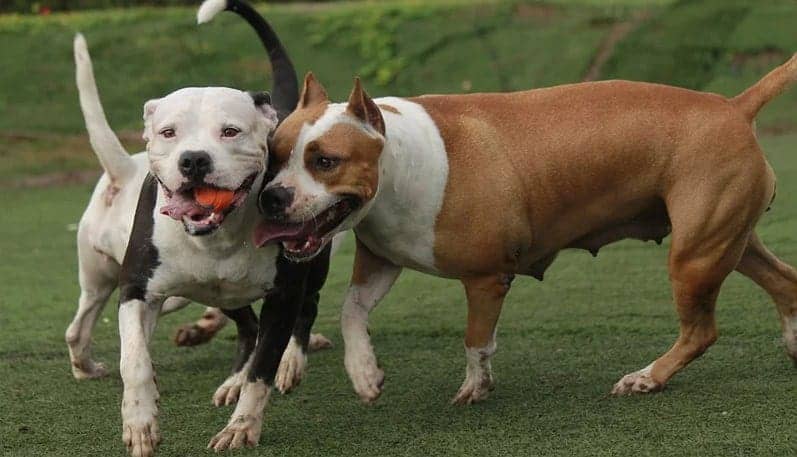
(526,175)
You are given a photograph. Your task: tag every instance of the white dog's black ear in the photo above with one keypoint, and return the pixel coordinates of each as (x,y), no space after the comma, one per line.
(149,110)
(263,104)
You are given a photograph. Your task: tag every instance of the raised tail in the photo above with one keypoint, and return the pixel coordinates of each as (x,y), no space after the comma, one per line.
(285,86)
(113,156)
(770,86)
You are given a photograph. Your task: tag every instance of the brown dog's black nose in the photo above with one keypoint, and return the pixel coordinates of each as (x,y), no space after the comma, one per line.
(274,201)
(194,165)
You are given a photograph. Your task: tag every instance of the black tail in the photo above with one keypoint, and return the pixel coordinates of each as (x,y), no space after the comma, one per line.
(285,85)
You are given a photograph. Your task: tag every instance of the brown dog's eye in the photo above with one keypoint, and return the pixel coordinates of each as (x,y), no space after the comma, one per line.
(230,132)
(167,133)
(324,163)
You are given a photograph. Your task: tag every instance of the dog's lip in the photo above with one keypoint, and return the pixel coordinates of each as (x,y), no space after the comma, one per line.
(305,238)
(201,219)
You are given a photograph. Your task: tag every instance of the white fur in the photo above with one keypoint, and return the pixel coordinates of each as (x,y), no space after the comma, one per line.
(400,223)
(637,382)
(198,116)
(478,374)
(247,420)
(360,361)
(112,155)
(209,9)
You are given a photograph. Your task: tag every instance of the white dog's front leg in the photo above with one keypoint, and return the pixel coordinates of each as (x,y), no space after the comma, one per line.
(372,280)
(140,431)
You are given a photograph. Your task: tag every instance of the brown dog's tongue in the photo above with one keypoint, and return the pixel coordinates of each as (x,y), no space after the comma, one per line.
(269,232)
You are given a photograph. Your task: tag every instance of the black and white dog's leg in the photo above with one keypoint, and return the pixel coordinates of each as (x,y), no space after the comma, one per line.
(138,312)
(246,321)
(278,316)
(294,361)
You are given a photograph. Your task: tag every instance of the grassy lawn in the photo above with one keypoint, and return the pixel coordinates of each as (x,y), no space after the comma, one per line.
(562,343)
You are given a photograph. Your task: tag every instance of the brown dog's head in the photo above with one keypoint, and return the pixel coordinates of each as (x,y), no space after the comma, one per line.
(325,168)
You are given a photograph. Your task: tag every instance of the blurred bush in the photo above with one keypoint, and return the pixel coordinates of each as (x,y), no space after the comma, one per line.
(47,6)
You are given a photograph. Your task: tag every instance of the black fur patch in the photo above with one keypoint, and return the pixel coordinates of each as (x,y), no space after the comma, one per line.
(141,256)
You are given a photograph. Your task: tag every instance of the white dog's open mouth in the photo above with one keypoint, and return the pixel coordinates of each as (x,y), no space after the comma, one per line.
(202,207)
(303,240)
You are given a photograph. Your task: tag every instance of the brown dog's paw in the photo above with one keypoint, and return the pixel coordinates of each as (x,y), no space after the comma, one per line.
(638,382)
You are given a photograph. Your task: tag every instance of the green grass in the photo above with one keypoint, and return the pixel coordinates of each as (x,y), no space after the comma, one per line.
(562,343)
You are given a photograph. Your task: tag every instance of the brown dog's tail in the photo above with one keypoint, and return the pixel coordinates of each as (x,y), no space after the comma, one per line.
(770,86)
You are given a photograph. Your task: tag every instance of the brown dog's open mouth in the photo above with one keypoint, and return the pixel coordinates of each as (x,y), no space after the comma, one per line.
(202,218)
(303,240)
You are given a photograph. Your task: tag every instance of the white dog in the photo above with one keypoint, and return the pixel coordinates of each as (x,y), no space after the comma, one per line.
(146,232)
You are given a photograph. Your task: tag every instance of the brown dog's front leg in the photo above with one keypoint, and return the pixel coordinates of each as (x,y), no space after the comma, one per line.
(485,299)
(372,278)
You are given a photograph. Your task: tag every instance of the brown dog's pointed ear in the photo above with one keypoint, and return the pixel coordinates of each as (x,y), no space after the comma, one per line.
(313,92)
(363,108)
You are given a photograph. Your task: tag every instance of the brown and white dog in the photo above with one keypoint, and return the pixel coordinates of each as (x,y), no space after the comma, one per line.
(481,187)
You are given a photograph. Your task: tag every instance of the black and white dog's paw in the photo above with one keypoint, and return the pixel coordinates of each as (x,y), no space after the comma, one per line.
(292,367)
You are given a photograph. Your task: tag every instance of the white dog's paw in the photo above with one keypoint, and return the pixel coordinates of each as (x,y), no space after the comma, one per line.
(140,433)
(292,368)
(241,431)
(638,382)
(366,377)
(229,391)
(474,389)
(88,369)
(318,342)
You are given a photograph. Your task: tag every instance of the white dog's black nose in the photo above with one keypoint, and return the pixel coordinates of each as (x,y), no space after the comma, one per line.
(195,165)
(274,201)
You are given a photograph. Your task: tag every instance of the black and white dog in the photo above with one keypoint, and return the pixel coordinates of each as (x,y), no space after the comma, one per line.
(145,232)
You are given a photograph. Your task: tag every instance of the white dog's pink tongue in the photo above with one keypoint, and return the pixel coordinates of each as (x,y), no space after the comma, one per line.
(177,207)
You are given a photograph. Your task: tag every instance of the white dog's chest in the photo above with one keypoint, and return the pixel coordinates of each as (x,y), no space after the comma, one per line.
(226,282)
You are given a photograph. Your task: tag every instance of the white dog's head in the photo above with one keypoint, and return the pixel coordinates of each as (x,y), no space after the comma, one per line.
(210,138)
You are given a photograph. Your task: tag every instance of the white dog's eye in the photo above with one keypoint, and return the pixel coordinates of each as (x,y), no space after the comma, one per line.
(167,133)
(230,132)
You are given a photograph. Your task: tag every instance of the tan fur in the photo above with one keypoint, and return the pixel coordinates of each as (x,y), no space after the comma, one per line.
(357,150)
(584,165)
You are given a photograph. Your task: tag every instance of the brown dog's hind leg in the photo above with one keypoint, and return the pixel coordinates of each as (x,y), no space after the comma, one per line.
(710,229)
(485,299)
(780,281)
